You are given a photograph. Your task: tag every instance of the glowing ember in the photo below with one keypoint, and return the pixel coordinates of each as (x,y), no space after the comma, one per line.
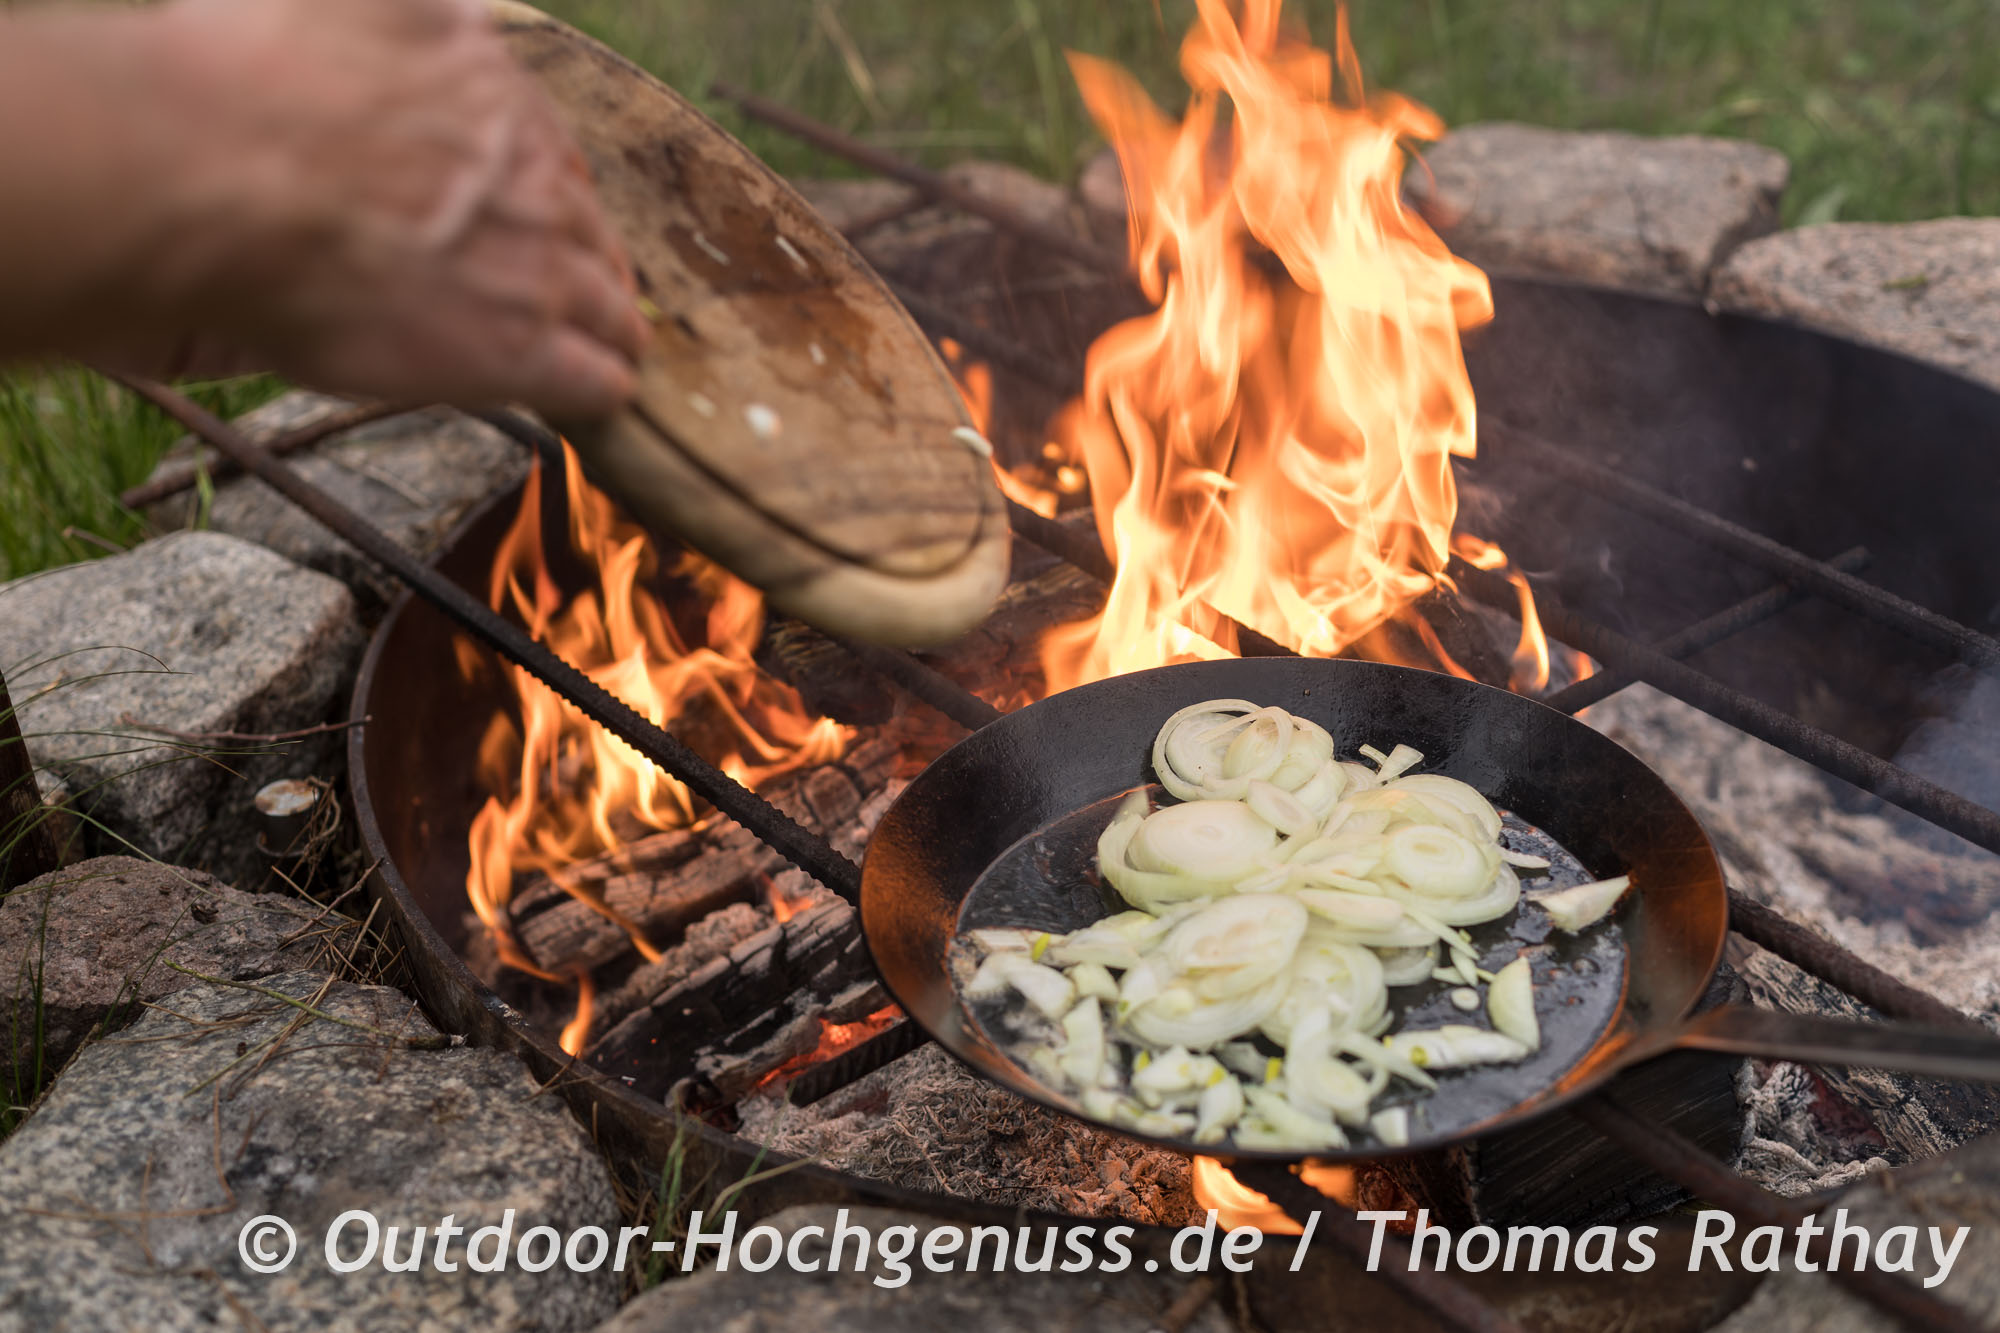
(835,1039)
(1271,447)
(1237,1205)
(562,789)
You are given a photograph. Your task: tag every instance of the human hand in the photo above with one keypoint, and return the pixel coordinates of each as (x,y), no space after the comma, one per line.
(376,200)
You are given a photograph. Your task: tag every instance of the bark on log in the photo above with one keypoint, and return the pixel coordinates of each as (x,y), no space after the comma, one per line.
(667,881)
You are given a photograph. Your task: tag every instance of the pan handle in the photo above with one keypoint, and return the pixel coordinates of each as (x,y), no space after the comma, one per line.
(1910,1048)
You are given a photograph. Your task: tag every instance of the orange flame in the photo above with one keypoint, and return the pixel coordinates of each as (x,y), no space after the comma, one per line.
(562,789)
(1271,447)
(1237,1205)
(836,1039)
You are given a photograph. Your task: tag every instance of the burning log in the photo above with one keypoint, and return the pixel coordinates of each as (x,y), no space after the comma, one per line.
(819,951)
(793,1037)
(666,881)
(823,673)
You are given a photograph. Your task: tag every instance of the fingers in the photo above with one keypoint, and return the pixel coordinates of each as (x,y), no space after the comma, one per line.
(596,301)
(568,375)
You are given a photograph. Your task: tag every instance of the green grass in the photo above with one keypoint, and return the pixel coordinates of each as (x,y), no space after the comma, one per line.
(1888,109)
(70,441)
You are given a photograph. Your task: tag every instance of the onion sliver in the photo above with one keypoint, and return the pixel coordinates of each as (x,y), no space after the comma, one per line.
(1309,749)
(1510,1004)
(1436,862)
(1178,1017)
(1502,891)
(1212,841)
(1281,810)
(1249,930)
(1355,911)
(1574,908)
(1459,794)
(1406,967)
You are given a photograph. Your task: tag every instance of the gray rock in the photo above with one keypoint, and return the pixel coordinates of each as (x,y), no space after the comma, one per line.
(197,632)
(854,1302)
(94,941)
(844,203)
(1926,289)
(414,476)
(1961,1189)
(128,1188)
(1621,210)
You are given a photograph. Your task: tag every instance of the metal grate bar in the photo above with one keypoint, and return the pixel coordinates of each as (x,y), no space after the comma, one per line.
(1664,1150)
(787,837)
(1702,634)
(1897,785)
(1857,595)
(932,687)
(1811,952)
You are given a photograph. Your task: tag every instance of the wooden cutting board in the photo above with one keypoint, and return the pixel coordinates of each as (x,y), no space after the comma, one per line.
(792,422)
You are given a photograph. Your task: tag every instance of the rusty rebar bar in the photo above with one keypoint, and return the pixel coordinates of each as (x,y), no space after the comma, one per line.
(1817,576)
(1706,633)
(1811,952)
(1893,783)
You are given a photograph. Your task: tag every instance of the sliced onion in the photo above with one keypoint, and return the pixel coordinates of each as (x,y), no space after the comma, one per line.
(1093,980)
(1317,1081)
(1215,842)
(1525,860)
(1259,930)
(1281,810)
(1256,750)
(1510,1004)
(1455,1045)
(1502,891)
(1220,1107)
(1178,1017)
(1435,862)
(1194,747)
(1391,1126)
(1406,967)
(1354,911)
(1322,790)
(1459,794)
(1309,749)
(1574,908)
(1273,1122)
(1082,1055)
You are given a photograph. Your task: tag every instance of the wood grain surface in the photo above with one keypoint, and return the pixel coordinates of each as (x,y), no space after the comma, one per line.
(792,421)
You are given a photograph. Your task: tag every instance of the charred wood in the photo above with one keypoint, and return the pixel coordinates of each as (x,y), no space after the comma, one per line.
(820,950)
(824,674)
(663,883)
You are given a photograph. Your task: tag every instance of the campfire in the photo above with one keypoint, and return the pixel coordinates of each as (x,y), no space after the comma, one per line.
(1275,454)
(1267,456)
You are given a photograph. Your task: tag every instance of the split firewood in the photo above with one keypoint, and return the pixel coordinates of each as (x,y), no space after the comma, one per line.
(819,950)
(664,882)
(736,1064)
